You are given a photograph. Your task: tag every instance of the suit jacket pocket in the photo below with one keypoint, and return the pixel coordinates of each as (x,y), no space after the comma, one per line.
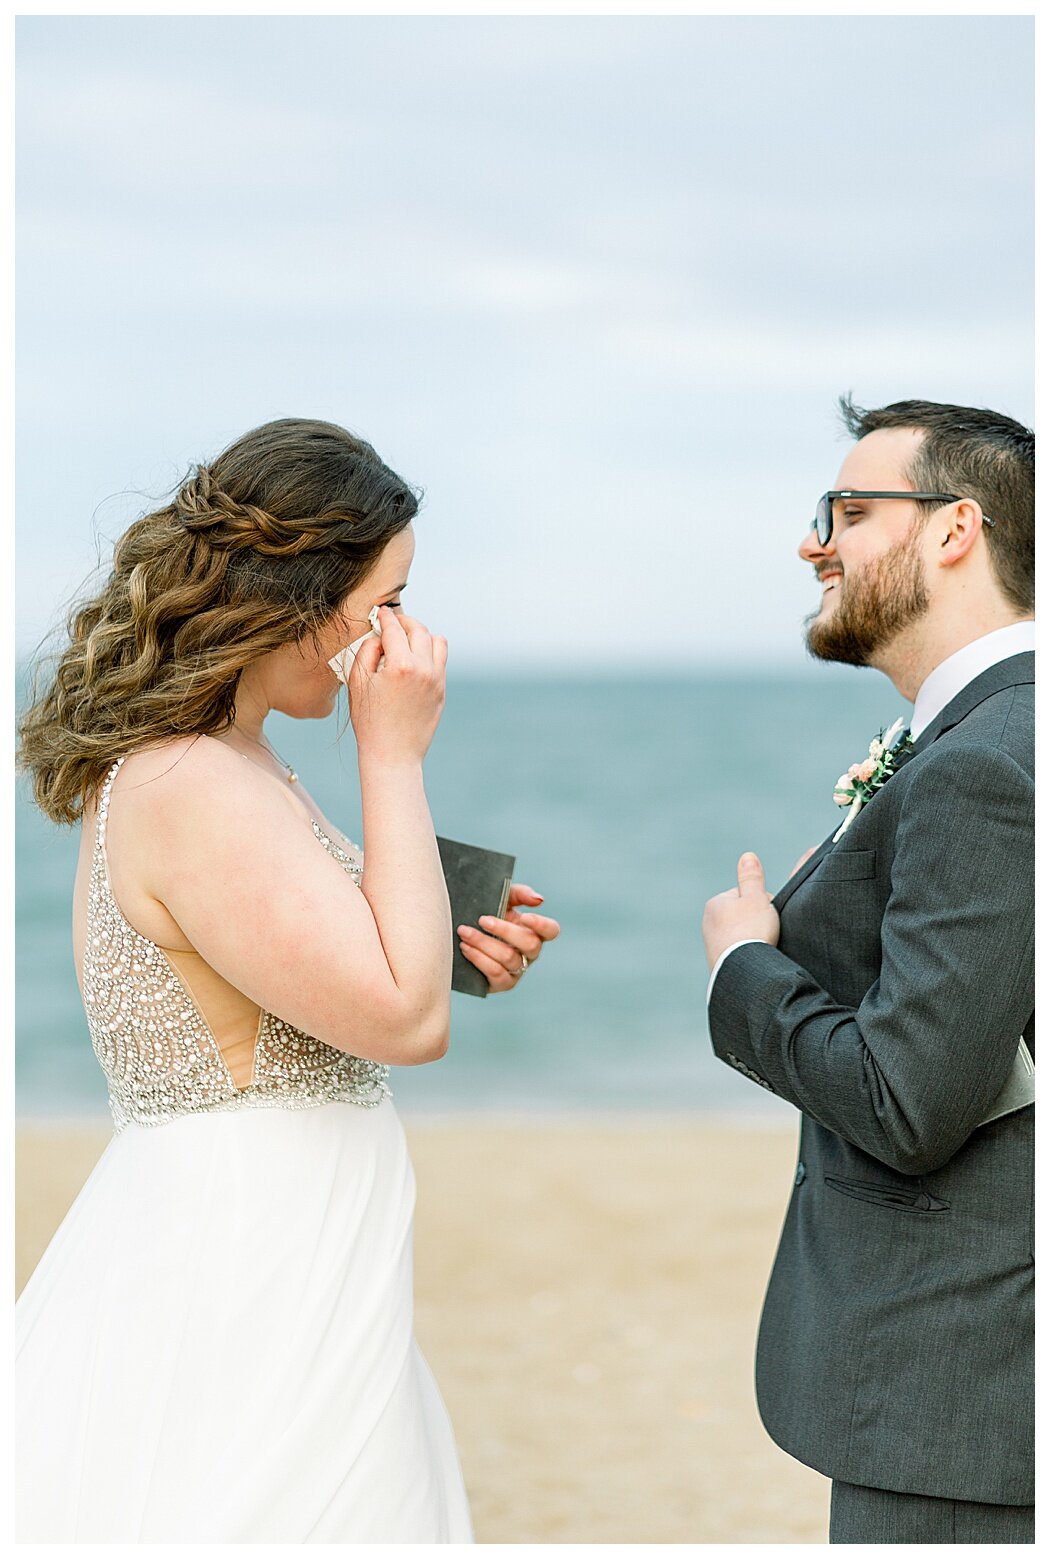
(845,866)
(901,1199)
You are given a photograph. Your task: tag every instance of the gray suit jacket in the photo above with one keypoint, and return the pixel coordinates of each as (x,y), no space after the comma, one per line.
(896,1341)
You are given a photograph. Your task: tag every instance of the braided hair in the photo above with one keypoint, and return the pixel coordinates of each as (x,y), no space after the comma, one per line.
(256,549)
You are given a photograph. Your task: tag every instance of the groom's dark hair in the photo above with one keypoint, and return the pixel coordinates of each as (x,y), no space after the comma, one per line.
(977,454)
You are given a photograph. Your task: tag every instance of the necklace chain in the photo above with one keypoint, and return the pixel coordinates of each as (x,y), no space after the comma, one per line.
(293,778)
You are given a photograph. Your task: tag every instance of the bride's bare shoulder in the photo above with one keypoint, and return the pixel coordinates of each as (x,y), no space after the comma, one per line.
(187,773)
(182,761)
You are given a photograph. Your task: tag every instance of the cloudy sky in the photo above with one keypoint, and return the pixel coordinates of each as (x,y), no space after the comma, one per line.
(593,283)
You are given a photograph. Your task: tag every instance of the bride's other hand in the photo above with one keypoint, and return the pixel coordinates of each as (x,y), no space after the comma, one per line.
(499,948)
(395,707)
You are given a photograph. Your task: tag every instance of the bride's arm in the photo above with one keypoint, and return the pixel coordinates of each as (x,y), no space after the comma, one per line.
(395,708)
(405,889)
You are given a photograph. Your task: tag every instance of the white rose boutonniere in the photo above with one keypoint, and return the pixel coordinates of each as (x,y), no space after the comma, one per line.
(861,780)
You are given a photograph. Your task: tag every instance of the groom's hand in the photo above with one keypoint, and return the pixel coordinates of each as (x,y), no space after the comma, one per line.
(743,913)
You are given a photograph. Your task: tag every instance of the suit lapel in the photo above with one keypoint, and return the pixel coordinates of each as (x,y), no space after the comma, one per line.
(1006,673)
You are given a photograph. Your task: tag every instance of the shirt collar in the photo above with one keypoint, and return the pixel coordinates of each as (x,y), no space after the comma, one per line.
(953,674)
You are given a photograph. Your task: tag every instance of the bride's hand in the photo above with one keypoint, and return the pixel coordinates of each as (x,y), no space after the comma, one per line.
(395,707)
(499,953)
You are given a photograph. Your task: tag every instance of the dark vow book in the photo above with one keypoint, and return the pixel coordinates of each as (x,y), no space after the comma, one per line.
(478,883)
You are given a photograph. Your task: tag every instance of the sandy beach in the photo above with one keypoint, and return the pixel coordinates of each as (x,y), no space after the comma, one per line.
(588,1292)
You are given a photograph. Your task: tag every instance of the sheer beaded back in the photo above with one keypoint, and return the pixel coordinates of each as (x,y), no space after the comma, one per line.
(160,1057)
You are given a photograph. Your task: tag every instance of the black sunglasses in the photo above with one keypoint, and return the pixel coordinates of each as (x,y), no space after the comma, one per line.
(823,521)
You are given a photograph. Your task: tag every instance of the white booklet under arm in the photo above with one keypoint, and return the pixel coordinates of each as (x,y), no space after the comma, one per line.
(1019,1088)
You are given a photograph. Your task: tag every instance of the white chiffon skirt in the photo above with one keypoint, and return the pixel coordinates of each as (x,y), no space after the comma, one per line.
(217,1345)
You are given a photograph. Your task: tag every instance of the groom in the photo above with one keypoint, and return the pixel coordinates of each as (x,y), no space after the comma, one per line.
(884,991)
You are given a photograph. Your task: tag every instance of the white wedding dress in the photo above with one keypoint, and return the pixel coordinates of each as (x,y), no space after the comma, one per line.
(217,1344)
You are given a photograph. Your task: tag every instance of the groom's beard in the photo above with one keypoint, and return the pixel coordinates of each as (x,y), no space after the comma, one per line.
(875,603)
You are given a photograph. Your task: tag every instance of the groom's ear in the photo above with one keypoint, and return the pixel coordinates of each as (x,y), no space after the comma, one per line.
(958,529)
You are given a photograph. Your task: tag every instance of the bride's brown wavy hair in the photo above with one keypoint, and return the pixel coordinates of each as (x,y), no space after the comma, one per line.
(256,549)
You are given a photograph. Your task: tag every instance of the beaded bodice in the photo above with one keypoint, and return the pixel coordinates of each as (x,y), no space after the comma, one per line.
(160,1057)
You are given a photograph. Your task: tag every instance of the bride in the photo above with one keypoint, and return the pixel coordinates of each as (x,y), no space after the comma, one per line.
(217,1345)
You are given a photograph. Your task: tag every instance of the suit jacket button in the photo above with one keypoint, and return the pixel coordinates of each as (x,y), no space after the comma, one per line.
(800,1173)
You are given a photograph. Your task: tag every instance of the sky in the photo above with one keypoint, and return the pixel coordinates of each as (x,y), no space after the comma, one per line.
(593,284)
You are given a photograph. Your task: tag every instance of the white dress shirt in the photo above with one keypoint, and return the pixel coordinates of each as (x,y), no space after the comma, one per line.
(955,673)
(936,693)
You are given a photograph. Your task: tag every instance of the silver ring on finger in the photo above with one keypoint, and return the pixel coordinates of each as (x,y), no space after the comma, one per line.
(524,964)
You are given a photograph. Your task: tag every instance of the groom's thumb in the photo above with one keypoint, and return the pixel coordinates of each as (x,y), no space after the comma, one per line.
(749,874)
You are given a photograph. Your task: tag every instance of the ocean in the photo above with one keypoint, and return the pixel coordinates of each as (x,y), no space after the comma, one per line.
(626,802)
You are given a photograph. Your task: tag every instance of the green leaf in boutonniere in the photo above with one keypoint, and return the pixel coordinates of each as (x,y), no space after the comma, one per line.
(862,780)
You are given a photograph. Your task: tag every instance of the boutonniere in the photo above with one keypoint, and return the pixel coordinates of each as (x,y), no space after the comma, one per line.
(861,780)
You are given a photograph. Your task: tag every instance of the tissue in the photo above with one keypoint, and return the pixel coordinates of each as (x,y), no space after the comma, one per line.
(342,663)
